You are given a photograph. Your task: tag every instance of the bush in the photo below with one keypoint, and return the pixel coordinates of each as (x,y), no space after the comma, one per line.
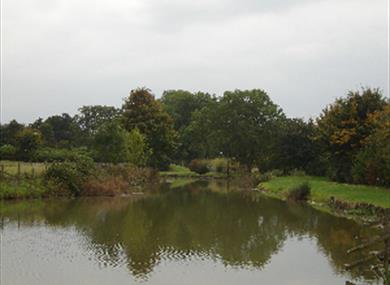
(262,177)
(7,152)
(70,175)
(105,186)
(48,154)
(297,172)
(299,193)
(199,166)
(276,173)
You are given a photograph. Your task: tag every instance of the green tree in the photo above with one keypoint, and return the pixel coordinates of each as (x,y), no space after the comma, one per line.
(60,131)
(181,105)
(140,110)
(112,143)
(7,152)
(28,141)
(92,117)
(241,125)
(8,132)
(295,148)
(343,128)
(371,165)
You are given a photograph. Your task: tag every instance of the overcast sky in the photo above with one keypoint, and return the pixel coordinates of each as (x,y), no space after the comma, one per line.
(58,55)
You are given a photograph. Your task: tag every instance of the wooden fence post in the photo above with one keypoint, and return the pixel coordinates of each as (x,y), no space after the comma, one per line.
(32,171)
(18,169)
(2,171)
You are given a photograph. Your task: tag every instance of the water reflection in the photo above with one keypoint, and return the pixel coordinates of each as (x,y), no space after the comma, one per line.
(199,220)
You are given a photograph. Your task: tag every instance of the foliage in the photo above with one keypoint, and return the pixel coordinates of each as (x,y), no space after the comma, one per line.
(299,193)
(28,141)
(50,154)
(9,131)
(343,129)
(90,118)
(181,105)
(140,110)
(18,189)
(112,143)
(294,147)
(240,125)
(59,131)
(69,176)
(7,151)
(372,163)
(199,166)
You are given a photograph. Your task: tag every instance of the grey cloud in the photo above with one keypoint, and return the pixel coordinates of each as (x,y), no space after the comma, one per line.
(59,55)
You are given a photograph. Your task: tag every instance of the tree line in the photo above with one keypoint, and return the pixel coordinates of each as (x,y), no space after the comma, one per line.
(349,141)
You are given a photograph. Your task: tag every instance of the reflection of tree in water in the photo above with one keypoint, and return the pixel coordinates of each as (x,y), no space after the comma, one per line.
(238,228)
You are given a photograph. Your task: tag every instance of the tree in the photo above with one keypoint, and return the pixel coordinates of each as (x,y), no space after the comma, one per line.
(343,128)
(112,143)
(92,117)
(28,141)
(181,105)
(241,125)
(295,148)
(371,165)
(8,132)
(140,110)
(61,131)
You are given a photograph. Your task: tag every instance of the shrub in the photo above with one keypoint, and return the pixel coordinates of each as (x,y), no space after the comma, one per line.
(299,193)
(105,186)
(262,177)
(48,154)
(70,175)
(297,172)
(199,166)
(7,152)
(276,173)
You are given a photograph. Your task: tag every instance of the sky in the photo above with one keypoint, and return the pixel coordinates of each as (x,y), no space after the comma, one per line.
(58,55)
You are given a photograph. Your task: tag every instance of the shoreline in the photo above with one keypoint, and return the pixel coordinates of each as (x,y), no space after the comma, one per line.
(360,211)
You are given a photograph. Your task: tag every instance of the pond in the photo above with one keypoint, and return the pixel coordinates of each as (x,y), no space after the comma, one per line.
(196,233)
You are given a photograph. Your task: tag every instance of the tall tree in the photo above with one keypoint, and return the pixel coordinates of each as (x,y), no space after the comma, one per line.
(140,110)
(344,126)
(371,165)
(241,125)
(112,143)
(28,141)
(92,117)
(60,131)
(8,132)
(181,105)
(295,147)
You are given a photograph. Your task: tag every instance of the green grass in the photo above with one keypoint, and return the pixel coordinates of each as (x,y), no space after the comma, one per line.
(322,189)
(178,171)
(183,172)
(26,168)
(22,188)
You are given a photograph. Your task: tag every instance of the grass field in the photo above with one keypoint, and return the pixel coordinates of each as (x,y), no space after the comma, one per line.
(26,168)
(322,189)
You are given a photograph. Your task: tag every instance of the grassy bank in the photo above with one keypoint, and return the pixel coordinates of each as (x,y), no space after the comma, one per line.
(323,190)
(21,180)
(177,171)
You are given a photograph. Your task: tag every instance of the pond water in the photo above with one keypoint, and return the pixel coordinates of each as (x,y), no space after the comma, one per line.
(199,233)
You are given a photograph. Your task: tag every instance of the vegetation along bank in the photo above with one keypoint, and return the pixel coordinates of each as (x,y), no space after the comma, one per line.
(106,150)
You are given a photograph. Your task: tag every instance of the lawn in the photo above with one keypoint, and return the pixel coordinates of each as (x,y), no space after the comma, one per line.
(322,189)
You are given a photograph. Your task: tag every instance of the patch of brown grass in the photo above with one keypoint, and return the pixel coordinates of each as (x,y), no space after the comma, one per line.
(105,186)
